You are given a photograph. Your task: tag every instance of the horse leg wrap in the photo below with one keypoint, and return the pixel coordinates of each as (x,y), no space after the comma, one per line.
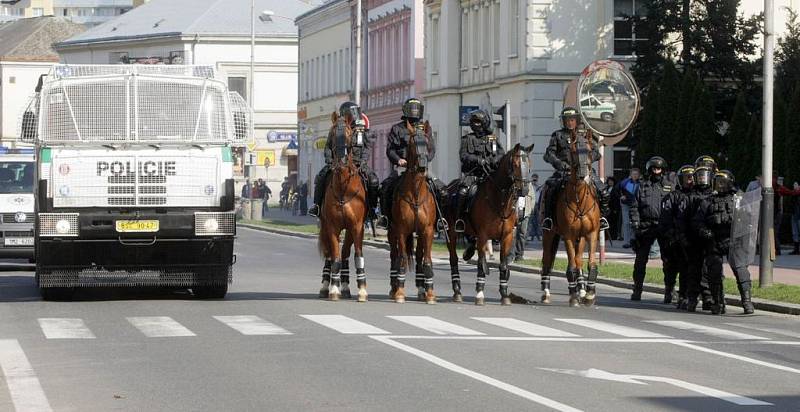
(336,277)
(345,271)
(483,270)
(593,272)
(581,279)
(428,269)
(326,271)
(360,273)
(572,280)
(545,281)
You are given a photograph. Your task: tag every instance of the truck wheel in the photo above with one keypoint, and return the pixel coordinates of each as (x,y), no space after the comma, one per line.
(210,292)
(57,294)
(607,117)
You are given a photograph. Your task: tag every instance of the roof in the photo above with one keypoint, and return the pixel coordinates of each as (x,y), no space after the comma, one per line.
(168,18)
(319,8)
(93,3)
(32,39)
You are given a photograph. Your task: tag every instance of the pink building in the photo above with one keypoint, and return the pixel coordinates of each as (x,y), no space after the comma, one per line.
(395,71)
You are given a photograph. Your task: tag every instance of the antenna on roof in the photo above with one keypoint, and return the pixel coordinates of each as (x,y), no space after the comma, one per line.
(158,22)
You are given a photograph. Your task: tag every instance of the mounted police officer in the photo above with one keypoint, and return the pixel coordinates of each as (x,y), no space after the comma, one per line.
(352,115)
(645,216)
(480,153)
(704,169)
(397,152)
(714,220)
(674,224)
(558,155)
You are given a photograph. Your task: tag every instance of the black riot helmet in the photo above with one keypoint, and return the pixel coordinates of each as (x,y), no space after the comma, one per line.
(413,109)
(724,181)
(480,122)
(703,176)
(569,113)
(350,111)
(686,177)
(655,162)
(706,160)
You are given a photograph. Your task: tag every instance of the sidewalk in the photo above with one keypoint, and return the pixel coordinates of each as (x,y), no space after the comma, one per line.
(786,268)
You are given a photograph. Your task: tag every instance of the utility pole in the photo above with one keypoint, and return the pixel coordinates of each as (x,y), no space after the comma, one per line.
(357,86)
(250,96)
(767,229)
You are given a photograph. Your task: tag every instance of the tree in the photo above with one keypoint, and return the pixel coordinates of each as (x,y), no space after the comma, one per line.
(787,57)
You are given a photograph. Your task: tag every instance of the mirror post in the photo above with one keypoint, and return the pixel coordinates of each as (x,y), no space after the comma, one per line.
(767,230)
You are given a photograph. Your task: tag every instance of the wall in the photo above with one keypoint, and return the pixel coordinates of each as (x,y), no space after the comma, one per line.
(14,96)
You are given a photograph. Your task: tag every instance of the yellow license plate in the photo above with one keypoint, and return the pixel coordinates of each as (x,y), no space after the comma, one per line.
(133,226)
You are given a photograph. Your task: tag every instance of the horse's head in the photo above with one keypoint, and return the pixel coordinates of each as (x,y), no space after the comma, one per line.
(580,154)
(418,146)
(517,166)
(342,140)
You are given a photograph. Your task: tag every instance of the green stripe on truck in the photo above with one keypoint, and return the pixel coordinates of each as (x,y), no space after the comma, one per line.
(227,156)
(46,155)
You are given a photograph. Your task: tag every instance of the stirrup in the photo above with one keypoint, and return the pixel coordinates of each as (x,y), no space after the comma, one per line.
(460,226)
(314,210)
(547,224)
(441,225)
(383,222)
(604,224)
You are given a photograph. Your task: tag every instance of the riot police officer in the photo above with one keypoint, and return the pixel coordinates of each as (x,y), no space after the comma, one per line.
(558,154)
(480,153)
(645,215)
(714,219)
(352,114)
(704,169)
(397,150)
(674,224)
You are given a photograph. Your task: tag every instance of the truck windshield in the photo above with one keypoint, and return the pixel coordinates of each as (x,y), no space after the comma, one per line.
(16,177)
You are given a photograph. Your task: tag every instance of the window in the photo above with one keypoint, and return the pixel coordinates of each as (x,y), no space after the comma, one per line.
(118,57)
(16,177)
(496,31)
(38,12)
(476,38)
(238,85)
(627,14)
(513,28)
(464,43)
(176,57)
(434,45)
(487,28)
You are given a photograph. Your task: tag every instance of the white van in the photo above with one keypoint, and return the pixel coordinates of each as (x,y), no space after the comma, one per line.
(17,168)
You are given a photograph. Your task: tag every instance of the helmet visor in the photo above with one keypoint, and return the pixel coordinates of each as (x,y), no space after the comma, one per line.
(702,177)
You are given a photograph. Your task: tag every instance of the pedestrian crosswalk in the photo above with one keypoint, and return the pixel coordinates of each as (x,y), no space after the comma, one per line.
(402,325)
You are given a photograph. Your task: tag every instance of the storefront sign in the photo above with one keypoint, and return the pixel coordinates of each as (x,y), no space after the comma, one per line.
(275,136)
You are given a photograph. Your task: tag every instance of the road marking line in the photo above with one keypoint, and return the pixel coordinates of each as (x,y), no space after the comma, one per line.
(706,330)
(612,328)
(768,330)
(252,325)
(525,327)
(345,325)
(23,385)
(737,357)
(539,339)
(436,326)
(65,328)
(541,400)
(159,326)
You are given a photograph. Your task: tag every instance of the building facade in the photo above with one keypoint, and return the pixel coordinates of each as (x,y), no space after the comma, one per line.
(217,33)
(87,12)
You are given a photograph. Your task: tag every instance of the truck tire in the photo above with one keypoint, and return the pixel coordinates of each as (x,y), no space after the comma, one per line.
(607,117)
(57,294)
(210,292)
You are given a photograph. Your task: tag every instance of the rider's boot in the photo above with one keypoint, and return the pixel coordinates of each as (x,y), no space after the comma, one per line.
(386,207)
(319,194)
(549,206)
(469,252)
(603,200)
(461,212)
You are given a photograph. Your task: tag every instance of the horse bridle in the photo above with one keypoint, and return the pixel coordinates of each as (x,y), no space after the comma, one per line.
(518,183)
(573,144)
(343,159)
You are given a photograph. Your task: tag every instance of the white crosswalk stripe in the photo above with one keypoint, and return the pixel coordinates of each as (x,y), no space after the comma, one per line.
(768,330)
(252,325)
(620,330)
(527,328)
(65,328)
(23,385)
(343,324)
(159,326)
(706,330)
(436,326)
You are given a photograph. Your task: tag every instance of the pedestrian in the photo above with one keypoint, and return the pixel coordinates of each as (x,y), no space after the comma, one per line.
(674,224)
(534,226)
(754,184)
(628,188)
(614,210)
(266,193)
(247,190)
(645,213)
(303,192)
(713,220)
(525,205)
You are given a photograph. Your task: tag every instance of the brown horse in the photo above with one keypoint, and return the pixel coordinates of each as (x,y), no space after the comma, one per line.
(413,212)
(344,208)
(578,223)
(493,216)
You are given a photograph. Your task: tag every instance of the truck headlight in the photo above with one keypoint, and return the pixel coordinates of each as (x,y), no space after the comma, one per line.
(20,217)
(214,223)
(211,225)
(63,227)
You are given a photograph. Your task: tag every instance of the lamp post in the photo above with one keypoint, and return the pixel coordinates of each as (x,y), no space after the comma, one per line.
(767,230)
(266,16)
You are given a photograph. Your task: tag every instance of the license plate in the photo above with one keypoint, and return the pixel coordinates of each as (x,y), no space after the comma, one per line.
(137,226)
(18,241)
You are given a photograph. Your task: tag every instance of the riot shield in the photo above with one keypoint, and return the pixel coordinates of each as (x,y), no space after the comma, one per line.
(744,229)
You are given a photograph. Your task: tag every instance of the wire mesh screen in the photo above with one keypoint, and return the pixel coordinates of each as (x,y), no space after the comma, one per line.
(27,126)
(148,104)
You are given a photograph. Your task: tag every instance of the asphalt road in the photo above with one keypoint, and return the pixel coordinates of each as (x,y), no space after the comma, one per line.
(273,345)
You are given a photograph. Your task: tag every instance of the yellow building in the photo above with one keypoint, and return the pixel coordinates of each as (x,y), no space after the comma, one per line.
(12,10)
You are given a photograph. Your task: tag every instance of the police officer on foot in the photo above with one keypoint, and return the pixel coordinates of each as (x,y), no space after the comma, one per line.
(480,154)
(674,224)
(704,169)
(645,216)
(352,115)
(714,220)
(558,154)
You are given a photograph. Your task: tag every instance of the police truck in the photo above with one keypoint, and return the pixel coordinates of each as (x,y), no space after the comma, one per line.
(134,184)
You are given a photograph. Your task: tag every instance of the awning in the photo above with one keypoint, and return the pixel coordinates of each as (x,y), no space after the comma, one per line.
(289,152)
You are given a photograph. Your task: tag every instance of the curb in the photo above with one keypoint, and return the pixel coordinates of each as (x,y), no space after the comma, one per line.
(733,300)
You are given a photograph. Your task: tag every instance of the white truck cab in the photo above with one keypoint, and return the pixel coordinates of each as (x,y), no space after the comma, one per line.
(134,177)
(17,170)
